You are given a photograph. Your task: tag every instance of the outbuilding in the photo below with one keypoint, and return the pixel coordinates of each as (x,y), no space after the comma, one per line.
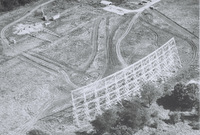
(104,2)
(55,17)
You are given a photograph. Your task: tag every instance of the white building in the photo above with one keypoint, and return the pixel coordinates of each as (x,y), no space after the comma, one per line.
(55,17)
(104,2)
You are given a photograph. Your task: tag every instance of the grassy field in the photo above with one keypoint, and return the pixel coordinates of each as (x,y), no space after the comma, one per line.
(25,88)
(184,13)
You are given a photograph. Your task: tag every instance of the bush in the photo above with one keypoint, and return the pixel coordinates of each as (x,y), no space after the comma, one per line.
(105,122)
(133,114)
(121,120)
(36,132)
(186,96)
(183,97)
(122,130)
(150,93)
(7,5)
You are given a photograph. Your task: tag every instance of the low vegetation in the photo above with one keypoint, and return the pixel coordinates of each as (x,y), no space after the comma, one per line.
(183,97)
(36,132)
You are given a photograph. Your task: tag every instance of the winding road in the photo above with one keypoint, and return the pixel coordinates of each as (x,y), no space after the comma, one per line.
(47,65)
(133,21)
(94,41)
(118,45)
(192,39)
(174,24)
(3,37)
(21,130)
(189,41)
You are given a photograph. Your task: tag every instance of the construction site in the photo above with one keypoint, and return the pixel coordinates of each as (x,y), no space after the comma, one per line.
(56,56)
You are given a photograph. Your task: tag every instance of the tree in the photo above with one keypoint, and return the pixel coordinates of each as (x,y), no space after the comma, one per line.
(122,130)
(105,122)
(10,4)
(36,132)
(186,96)
(150,93)
(183,97)
(123,119)
(133,114)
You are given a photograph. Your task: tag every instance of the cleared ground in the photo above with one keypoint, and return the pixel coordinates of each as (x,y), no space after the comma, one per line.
(35,73)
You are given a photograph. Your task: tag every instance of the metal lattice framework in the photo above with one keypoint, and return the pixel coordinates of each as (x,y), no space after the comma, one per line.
(91,100)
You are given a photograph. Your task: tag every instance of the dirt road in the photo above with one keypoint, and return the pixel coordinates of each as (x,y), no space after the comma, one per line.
(133,21)
(189,41)
(175,25)
(119,55)
(47,65)
(3,37)
(94,41)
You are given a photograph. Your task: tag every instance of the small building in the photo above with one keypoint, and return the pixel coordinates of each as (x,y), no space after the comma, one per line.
(47,23)
(104,2)
(55,17)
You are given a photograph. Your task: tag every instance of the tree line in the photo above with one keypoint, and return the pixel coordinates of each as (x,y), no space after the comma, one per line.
(154,109)
(7,5)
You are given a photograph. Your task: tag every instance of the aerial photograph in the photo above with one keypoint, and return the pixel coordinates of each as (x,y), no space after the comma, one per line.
(99,67)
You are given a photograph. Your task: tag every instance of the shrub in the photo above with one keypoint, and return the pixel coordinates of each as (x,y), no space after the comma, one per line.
(122,130)
(183,97)
(186,96)
(105,122)
(133,114)
(121,120)
(10,4)
(150,93)
(36,132)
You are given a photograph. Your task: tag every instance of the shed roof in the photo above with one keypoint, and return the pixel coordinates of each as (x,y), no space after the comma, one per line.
(104,2)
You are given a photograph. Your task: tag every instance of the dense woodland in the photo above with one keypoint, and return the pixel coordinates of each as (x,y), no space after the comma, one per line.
(7,5)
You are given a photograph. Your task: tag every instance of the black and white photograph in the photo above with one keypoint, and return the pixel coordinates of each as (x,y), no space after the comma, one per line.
(99,67)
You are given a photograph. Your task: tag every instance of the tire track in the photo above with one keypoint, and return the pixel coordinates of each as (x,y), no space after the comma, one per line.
(52,61)
(174,24)
(133,21)
(118,45)
(156,43)
(41,67)
(40,37)
(189,41)
(68,112)
(3,37)
(47,65)
(94,44)
(112,49)
(155,35)
(107,49)
(27,125)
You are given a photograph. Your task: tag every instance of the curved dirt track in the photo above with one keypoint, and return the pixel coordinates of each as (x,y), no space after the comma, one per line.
(21,130)
(112,53)
(119,55)
(3,38)
(155,35)
(47,65)
(133,21)
(174,24)
(94,41)
(189,41)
